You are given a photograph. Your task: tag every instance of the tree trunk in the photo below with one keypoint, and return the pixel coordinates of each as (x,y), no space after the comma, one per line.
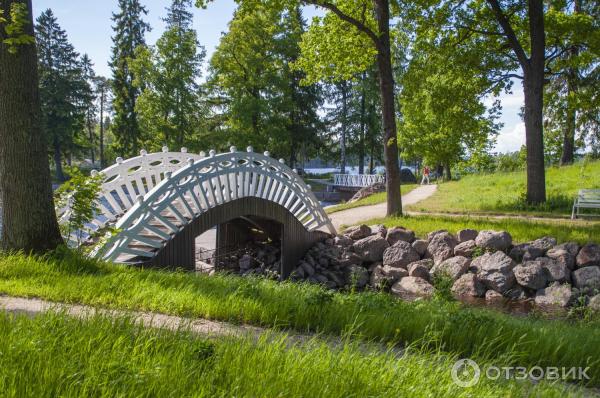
(533,84)
(386,87)
(344,126)
(448,171)
(568,149)
(371,156)
(29,219)
(91,135)
(361,144)
(60,175)
(102,161)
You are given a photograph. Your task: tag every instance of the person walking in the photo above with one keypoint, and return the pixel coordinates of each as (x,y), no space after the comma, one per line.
(425,175)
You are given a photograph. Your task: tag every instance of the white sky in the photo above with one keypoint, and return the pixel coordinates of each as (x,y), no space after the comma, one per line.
(88,25)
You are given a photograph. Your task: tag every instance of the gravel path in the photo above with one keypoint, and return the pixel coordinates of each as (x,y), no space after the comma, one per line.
(364,213)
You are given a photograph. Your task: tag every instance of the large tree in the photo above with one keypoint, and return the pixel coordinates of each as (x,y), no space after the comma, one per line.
(256,90)
(366,23)
(28,217)
(169,106)
(130,30)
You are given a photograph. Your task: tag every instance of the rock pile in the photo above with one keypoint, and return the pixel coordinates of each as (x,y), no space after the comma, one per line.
(484,264)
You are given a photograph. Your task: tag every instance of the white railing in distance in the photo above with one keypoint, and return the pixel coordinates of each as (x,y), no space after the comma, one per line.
(357,180)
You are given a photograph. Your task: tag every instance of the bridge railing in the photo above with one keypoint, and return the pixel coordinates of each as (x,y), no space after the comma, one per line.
(357,180)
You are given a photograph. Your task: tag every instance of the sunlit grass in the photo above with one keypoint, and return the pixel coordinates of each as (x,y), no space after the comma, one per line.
(52,355)
(522,230)
(374,199)
(505,192)
(304,307)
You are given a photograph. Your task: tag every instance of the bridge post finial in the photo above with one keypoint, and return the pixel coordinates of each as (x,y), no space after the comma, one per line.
(282,161)
(232,149)
(183,149)
(267,153)
(249,149)
(202,154)
(140,199)
(94,173)
(190,161)
(295,171)
(119,160)
(168,174)
(165,148)
(212,153)
(143,152)
(309,187)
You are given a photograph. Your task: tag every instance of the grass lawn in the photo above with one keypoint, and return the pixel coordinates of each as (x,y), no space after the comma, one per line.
(52,355)
(522,230)
(455,329)
(374,199)
(505,192)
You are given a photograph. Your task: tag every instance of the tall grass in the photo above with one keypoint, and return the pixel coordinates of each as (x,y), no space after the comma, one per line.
(52,355)
(303,307)
(505,192)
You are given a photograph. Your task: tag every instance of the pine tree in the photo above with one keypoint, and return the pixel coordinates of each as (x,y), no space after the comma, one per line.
(61,89)
(88,99)
(169,106)
(130,30)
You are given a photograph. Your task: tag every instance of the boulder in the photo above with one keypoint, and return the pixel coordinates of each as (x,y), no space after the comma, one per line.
(246,262)
(343,241)
(441,247)
(394,273)
(589,255)
(555,295)
(517,252)
(400,255)
(571,247)
(495,271)
(544,244)
(466,234)
(556,271)
(395,234)
(357,276)
(420,246)
(465,249)
(426,262)
(309,270)
(587,278)
(562,256)
(349,258)
(371,248)
(468,285)
(358,232)
(379,280)
(411,287)
(454,267)
(338,280)
(594,303)
(434,233)
(494,240)
(419,270)
(516,293)
(531,274)
(379,229)
(493,296)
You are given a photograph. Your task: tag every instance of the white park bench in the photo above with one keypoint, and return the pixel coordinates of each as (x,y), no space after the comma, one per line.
(586,199)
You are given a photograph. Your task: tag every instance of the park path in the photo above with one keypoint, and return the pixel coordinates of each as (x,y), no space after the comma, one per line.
(364,213)
(202,327)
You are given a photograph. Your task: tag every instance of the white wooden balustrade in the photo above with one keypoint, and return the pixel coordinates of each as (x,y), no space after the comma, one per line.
(357,180)
(153,196)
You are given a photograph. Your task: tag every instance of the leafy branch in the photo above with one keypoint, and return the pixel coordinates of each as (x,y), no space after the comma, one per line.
(14,27)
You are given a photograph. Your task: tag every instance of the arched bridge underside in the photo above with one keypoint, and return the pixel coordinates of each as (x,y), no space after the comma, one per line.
(160,202)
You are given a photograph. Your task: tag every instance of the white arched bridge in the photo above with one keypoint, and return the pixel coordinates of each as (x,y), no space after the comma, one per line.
(160,202)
